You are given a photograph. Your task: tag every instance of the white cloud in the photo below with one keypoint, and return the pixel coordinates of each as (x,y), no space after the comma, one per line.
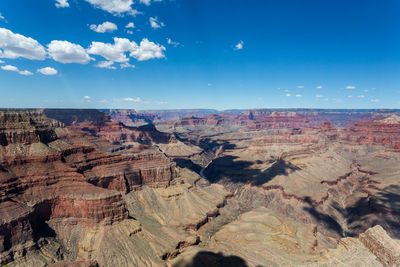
(129,32)
(148,50)
(116,7)
(319,87)
(126,65)
(1,61)
(300,86)
(9,68)
(239,46)
(117,52)
(104,27)
(209,84)
(113,52)
(62,3)
(15,69)
(319,96)
(147,2)
(155,23)
(25,72)
(299,95)
(375,100)
(2,17)
(66,52)
(106,65)
(170,42)
(48,71)
(14,45)
(130,99)
(350,96)
(288,95)
(130,25)
(86,97)
(361,96)
(350,87)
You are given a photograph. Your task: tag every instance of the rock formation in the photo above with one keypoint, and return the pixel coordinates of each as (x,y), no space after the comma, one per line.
(382,246)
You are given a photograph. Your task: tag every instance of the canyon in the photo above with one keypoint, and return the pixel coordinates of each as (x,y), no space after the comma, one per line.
(258,187)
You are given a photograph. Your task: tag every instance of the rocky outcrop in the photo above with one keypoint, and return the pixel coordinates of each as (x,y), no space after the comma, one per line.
(211,120)
(75,116)
(30,126)
(382,246)
(116,132)
(16,234)
(65,181)
(130,117)
(137,118)
(382,132)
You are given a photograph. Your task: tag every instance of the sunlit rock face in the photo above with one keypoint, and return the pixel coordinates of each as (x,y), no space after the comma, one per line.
(384,131)
(251,188)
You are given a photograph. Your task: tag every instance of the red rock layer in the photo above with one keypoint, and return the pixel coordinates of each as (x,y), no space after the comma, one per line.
(124,173)
(131,117)
(117,132)
(211,120)
(78,184)
(375,132)
(25,127)
(272,119)
(16,235)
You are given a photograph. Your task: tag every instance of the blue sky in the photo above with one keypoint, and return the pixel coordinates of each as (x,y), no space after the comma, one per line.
(200,54)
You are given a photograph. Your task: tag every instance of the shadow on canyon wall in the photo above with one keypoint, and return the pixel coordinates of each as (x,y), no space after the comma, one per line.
(381,208)
(239,171)
(211,259)
(187,163)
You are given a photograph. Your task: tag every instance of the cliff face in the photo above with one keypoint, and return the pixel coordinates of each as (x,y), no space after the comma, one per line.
(75,116)
(131,117)
(25,127)
(382,246)
(116,132)
(77,184)
(138,118)
(385,132)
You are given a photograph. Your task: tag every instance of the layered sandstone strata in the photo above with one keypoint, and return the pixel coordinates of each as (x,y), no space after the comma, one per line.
(384,132)
(26,127)
(382,246)
(47,179)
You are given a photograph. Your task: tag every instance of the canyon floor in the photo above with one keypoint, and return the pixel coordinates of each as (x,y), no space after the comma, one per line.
(189,188)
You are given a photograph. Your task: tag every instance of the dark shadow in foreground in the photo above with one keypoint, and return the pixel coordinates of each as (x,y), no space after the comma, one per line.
(211,259)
